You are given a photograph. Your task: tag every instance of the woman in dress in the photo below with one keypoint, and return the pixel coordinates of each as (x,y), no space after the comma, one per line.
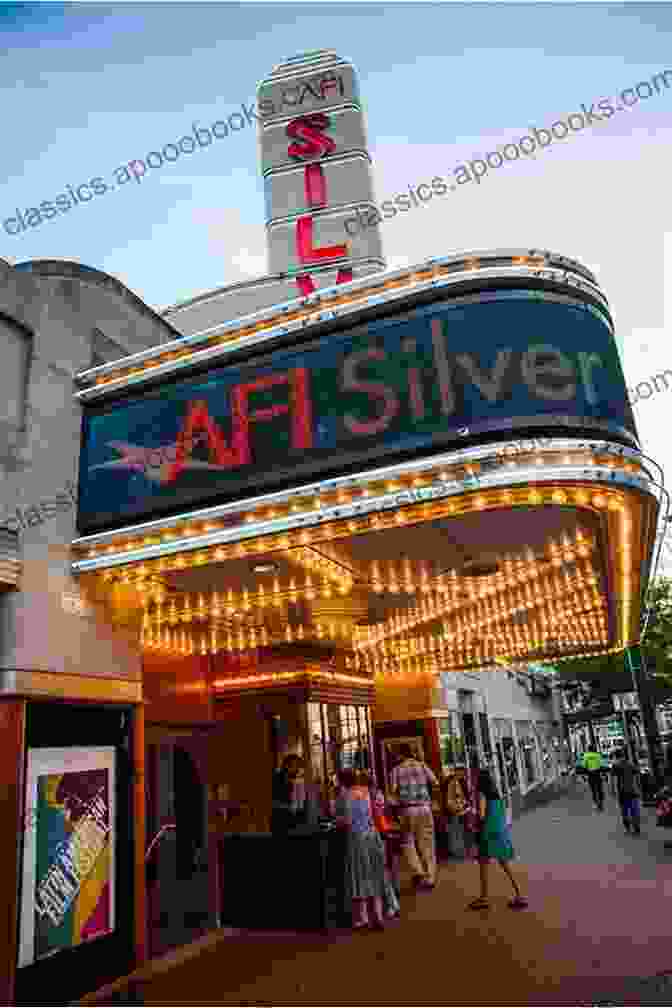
(368,887)
(390,833)
(494,841)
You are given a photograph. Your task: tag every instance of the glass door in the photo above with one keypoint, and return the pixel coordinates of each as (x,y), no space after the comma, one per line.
(451,746)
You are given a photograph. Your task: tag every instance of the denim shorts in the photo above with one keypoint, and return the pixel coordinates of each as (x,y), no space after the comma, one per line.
(630,807)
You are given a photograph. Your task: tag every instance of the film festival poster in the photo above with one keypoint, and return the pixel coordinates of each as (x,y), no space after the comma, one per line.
(67,885)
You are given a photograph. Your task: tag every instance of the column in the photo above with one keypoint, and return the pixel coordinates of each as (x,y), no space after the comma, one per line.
(139,834)
(433,754)
(522,783)
(643,683)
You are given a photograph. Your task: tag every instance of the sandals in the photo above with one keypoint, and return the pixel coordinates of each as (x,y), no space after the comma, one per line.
(519,903)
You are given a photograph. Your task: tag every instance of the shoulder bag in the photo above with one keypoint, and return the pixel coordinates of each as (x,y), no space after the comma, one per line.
(380,820)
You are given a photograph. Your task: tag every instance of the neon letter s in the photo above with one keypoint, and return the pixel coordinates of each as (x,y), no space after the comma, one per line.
(375,391)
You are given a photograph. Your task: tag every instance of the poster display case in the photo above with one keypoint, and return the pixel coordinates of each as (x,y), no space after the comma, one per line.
(76,883)
(67,885)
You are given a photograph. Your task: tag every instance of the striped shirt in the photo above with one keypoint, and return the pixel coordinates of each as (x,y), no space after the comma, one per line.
(411,784)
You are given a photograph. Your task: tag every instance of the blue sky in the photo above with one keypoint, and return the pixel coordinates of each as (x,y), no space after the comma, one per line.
(87,88)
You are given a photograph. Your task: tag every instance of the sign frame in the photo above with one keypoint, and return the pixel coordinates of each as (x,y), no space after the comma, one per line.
(343,455)
(75,875)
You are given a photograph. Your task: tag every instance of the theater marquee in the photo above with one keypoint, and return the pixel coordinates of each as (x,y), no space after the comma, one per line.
(417,381)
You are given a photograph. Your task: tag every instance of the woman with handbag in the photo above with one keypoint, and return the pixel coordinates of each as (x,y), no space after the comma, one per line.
(371,895)
(494,841)
(390,832)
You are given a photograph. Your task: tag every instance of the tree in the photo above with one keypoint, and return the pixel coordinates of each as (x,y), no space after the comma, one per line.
(610,673)
(657,640)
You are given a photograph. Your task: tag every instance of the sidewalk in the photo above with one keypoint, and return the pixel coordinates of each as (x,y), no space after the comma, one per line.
(599,916)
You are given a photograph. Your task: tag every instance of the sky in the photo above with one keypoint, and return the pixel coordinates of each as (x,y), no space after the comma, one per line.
(86,88)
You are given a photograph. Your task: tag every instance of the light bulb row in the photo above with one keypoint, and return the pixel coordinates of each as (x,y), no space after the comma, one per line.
(548,609)
(186,642)
(228,605)
(428,644)
(504,601)
(465,503)
(328,569)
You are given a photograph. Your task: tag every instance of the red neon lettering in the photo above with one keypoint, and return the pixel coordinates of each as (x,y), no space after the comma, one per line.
(299,407)
(198,418)
(310,128)
(306,285)
(304,244)
(315,185)
(374,390)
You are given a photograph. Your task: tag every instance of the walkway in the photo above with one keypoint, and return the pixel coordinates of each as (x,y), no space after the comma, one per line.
(599,916)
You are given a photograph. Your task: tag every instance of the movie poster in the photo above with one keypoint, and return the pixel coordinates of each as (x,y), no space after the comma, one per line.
(67,885)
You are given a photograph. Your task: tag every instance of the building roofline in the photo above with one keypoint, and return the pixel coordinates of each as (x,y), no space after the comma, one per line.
(69,269)
(237,286)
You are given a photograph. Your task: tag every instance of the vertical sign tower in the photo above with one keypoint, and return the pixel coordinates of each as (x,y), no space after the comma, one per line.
(317,172)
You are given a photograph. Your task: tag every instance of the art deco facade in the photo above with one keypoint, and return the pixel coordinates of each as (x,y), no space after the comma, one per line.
(318,512)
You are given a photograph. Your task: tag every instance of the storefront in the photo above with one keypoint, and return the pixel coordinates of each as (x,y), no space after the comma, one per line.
(387,540)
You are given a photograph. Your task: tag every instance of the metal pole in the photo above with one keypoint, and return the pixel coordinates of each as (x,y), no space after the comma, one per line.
(593,738)
(626,734)
(648,714)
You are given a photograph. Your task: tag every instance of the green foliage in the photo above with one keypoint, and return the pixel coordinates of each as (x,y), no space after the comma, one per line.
(657,642)
(612,670)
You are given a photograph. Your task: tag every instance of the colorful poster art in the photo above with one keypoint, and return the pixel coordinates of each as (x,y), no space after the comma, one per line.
(67,894)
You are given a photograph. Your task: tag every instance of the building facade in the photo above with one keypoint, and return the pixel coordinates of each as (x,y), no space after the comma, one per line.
(62,662)
(288,517)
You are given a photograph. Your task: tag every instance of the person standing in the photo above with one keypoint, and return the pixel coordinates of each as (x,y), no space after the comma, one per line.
(289,806)
(411,785)
(455,806)
(462,806)
(494,841)
(371,895)
(628,791)
(592,764)
(389,832)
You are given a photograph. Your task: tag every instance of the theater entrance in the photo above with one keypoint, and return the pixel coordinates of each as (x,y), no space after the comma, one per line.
(181,906)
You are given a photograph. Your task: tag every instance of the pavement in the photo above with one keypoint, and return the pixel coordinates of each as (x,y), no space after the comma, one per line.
(597,932)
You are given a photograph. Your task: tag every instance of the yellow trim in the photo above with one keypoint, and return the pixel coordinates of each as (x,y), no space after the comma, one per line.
(18,682)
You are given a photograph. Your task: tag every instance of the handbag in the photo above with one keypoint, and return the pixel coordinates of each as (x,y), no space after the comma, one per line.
(472,816)
(382,823)
(380,820)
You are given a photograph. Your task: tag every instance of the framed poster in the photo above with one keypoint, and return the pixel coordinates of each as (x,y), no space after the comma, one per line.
(68,876)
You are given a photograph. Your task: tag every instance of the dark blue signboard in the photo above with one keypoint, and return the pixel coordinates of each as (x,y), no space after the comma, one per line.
(414,383)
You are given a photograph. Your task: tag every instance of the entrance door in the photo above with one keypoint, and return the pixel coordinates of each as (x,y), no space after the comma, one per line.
(189,814)
(179,891)
(470,739)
